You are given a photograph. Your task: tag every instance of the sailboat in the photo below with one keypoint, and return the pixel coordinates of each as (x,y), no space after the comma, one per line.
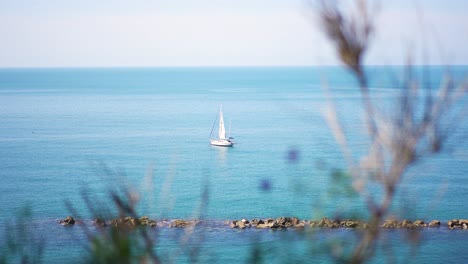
(222,140)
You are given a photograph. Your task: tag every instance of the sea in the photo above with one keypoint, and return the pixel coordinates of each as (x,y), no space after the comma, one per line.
(70,137)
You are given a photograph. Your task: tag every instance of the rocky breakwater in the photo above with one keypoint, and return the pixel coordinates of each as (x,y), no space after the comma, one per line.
(282,222)
(130,222)
(127,222)
(293,222)
(267,223)
(392,223)
(329,223)
(145,221)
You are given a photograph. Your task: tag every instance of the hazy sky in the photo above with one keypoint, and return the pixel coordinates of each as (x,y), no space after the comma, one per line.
(95,33)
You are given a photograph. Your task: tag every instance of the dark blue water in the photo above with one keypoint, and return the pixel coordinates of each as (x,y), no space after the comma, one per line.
(65,133)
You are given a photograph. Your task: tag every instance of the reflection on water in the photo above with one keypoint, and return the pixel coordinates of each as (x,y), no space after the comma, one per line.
(222,154)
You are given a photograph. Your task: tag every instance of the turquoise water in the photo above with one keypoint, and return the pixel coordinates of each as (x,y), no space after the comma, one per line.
(65,132)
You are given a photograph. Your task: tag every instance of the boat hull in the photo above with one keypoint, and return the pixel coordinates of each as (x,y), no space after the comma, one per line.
(221,143)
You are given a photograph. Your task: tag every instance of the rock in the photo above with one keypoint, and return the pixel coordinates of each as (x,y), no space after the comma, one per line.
(434,223)
(364,225)
(276,225)
(331,223)
(283,222)
(180,223)
(351,224)
(234,224)
(242,224)
(390,223)
(246,223)
(267,223)
(419,223)
(299,225)
(132,221)
(183,223)
(116,222)
(325,223)
(291,222)
(314,223)
(256,222)
(452,223)
(263,226)
(99,222)
(405,224)
(67,221)
(295,221)
(146,221)
(127,222)
(164,223)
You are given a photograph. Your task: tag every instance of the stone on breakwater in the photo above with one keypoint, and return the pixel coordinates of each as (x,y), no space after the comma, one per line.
(458,223)
(405,224)
(353,224)
(434,223)
(145,221)
(183,223)
(256,222)
(130,222)
(328,223)
(267,223)
(240,224)
(127,222)
(99,222)
(67,221)
(390,223)
(325,223)
(419,223)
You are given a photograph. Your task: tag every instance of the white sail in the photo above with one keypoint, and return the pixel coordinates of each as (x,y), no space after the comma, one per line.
(222,130)
(222,140)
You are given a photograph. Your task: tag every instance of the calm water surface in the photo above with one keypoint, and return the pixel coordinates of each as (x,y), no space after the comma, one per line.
(65,133)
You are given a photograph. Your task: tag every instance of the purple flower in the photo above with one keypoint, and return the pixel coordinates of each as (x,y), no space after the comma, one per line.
(265,185)
(293,155)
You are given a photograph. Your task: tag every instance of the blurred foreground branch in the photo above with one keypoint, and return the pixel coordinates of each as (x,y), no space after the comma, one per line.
(416,128)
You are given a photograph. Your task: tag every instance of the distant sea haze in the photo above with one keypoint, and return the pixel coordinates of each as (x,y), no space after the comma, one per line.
(65,132)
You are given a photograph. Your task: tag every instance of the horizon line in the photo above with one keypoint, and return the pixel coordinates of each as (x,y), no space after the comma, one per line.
(222,66)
